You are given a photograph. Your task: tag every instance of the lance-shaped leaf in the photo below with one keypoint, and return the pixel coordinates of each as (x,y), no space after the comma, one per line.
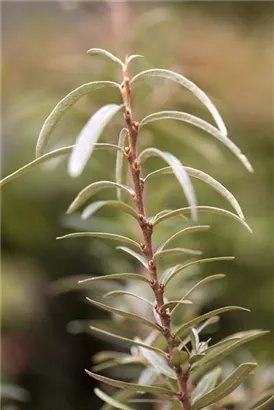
(190,291)
(133,56)
(110,400)
(120,169)
(89,135)
(113,363)
(159,363)
(206,384)
(100,51)
(136,255)
(189,229)
(132,386)
(207,315)
(226,387)
(179,172)
(196,173)
(127,315)
(201,95)
(55,116)
(207,323)
(117,276)
(201,209)
(264,404)
(118,293)
(127,341)
(106,355)
(168,275)
(95,206)
(103,235)
(91,190)
(175,252)
(171,303)
(195,341)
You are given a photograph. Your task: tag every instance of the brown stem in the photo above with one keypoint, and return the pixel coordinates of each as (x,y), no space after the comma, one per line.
(146,245)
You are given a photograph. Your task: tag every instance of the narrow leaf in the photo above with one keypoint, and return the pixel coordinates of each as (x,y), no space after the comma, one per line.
(189,229)
(92,208)
(226,387)
(206,384)
(159,363)
(171,303)
(178,357)
(133,56)
(89,135)
(174,252)
(103,235)
(195,341)
(115,276)
(119,169)
(127,315)
(201,95)
(136,255)
(91,190)
(114,403)
(179,172)
(100,51)
(264,404)
(117,293)
(208,322)
(55,116)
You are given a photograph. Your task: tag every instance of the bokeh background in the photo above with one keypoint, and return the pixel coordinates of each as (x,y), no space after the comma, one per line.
(227,49)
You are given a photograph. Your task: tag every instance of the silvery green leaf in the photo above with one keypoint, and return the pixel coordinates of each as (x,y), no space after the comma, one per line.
(136,255)
(198,122)
(195,341)
(120,170)
(159,363)
(196,173)
(196,358)
(178,357)
(115,276)
(121,396)
(114,363)
(125,314)
(226,387)
(179,172)
(55,116)
(170,275)
(147,376)
(174,252)
(105,355)
(171,303)
(207,315)
(189,229)
(89,135)
(100,51)
(133,56)
(131,386)
(91,190)
(264,404)
(122,339)
(206,384)
(201,95)
(110,400)
(208,322)
(103,235)
(92,208)
(117,293)
(201,208)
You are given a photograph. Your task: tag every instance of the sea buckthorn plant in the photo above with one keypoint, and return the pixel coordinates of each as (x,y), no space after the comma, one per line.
(178,369)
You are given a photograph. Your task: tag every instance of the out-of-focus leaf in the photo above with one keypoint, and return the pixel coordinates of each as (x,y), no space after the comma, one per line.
(194,337)
(114,363)
(121,396)
(226,387)
(189,229)
(106,398)
(89,135)
(178,357)
(159,363)
(136,255)
(195,358)
(207,315)
(134,342)
(198,122)
(106,355)
(196,173)
(206,384)
(171,303)
(200,208)
(133,56)
(55,116)
(104,235)
(91,190)
(179,172)
(100,51)
(120,169)
(264,404)
(117,293)
(115,276)
(125,314)
(147,376)
(92,208)
(201,95)
(166,253)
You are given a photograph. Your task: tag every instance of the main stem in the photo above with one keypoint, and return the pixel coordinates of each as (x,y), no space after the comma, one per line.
(147,230)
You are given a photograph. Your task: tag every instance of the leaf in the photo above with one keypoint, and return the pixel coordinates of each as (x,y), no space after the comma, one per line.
(100,51)
(198,122)
(148,376)
(179,172)
(127,315)
(55,116)
(128,341)
(92,208)
(206,209)
(114,276)
(174,252)
(165,279)
(195,341)
(91,190)
(201,95)
(206,384)
(208,322)
(131,386)
(133,56)
(89,135)
(189,229)
(106,398)
(107,355)
(226,387)
(207,315)
(196,358)
(178,357)
(170,303)
(117,293)
(136,255)
(196,173)
(103,235)
(159,363)
(265,403)
(201,282)
(119,169)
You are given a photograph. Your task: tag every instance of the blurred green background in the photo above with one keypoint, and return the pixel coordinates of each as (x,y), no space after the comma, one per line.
(227,49)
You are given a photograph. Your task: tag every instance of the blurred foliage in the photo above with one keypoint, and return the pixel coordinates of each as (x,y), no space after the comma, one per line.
(227,49)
